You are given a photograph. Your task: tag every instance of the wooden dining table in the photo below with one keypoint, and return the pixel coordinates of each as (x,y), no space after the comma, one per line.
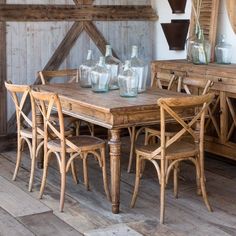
(113,112)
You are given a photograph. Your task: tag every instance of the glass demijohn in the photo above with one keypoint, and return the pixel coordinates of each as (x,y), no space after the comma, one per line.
(128,81)
(100,77)
(223,51)
(85,69)
(114,65)
(201,50)
(140,68)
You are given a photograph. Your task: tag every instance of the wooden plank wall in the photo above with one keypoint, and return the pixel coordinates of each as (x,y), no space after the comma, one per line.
(3,116)
(31,44)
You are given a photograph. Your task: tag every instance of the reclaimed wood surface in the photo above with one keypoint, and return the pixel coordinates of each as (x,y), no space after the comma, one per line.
(3,77)
(11,200)
(10,226)
(47,224)
(75,13)
(86,212)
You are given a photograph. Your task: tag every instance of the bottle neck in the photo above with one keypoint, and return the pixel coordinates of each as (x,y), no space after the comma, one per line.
(89,55)
(134,52)
(108,51)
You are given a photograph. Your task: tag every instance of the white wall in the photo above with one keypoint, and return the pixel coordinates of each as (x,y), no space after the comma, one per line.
(161,48)
(224,27)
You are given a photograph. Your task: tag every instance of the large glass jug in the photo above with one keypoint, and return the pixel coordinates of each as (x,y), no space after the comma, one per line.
(85,69)
(223,51)
(140,68)
(100,77)
(114,66)
(128,81)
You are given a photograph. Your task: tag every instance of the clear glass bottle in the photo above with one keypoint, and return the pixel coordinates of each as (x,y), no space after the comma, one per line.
(85,69)
(100,77)
(128,81)
(114,66)
(201,50)
(140,68)
(223,51)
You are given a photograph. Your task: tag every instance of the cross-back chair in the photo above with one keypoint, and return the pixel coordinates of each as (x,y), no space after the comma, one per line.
(72,76)
(66,149)
(165,155)
(159,80)
(185,85)
(26,128)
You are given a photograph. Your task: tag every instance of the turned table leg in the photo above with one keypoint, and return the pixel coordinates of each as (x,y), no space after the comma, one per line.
(115,145)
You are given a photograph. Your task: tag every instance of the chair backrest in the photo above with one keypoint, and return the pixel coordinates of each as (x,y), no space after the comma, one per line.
(163,80)
(186,84)
(46,103)
(169,107)
(71,74)
(19,95)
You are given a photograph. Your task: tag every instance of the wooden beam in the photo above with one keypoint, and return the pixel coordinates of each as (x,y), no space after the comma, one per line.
(33,12)
(83,2)
(97,37)
(3,77)
(54,62)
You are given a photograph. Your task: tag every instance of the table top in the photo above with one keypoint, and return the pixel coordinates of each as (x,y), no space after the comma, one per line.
(109,109)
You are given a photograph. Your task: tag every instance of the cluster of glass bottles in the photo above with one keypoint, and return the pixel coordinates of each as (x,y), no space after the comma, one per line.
(110,74)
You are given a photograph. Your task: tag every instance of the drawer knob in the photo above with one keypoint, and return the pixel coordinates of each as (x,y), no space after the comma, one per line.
(219,79)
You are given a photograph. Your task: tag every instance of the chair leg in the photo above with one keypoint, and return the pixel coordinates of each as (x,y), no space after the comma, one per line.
(45,170)
(162,191)
(74,172)
(204,193)
(176,182)
(33,159)
(18,158)
(131,154)
(137,181)
(85,170)
(199,192)
(63,187)
(104,174)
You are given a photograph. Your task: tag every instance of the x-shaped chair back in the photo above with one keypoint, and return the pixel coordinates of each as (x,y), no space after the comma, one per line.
(168,106)
(162,80)
(71,74)
(46,103)
(19,95)
(184,84)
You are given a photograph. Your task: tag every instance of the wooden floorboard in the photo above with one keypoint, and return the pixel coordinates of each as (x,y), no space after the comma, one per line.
(17,202)
(48,224)
(88,212)
(10,226)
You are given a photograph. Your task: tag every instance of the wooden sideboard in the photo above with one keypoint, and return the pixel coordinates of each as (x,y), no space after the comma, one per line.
(221,125)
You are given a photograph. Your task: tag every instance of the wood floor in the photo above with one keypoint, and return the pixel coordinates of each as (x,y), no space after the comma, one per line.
(88,212)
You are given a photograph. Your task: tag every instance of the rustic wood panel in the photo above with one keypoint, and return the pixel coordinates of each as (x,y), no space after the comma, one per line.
(36,41)
(48,224)
(75,13)
(11,200)
(3,76)
(10,226)
(88,211)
